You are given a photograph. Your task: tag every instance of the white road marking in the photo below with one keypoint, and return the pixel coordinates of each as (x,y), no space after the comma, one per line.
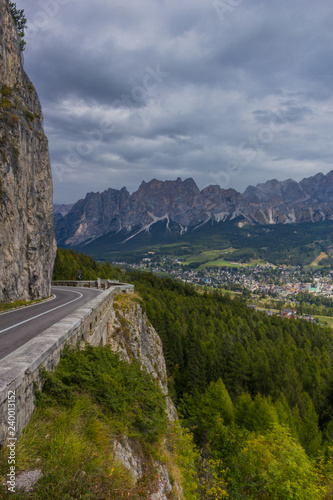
(47,312)
(27,307)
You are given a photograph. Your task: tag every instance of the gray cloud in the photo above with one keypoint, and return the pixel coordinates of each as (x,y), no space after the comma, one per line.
(136,90)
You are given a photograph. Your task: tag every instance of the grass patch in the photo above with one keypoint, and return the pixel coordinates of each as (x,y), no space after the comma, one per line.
(73,446)
(316,267)
(28,115)
(40,135)
(228,263)
(210,255)
(6,91)
(119,388)
(263,309)
(92,399)
(12,119)
(5,103)
(222,263)
(18,303)
(325,320)
(124,302)
(318,259)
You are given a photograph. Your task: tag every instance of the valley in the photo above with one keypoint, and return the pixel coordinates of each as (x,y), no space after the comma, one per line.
(167,324)
(281,223)
(256,277)
(280,244)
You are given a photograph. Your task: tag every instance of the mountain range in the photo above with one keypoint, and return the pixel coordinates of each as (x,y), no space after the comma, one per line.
(183,207)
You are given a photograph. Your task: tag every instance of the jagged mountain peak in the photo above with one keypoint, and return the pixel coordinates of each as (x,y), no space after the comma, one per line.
(168,184)
(183,205)
(315,177)
(319,188)
(273,190)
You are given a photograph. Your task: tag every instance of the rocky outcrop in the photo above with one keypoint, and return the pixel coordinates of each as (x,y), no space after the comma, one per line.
(319,188)
(131,456)
(131,335)
(182,207)
(275,192)
(27,240)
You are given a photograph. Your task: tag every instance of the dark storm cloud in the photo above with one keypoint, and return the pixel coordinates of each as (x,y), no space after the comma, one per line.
(137,90)
(288,112)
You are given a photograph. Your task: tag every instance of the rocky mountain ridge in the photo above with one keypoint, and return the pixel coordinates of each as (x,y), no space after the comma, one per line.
(27,236)
(62,209)
(182,205)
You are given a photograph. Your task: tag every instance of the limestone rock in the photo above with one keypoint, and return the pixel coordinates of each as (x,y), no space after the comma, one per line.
(132,458)
(183,208)
(131,334)
(27,480)
(27,241)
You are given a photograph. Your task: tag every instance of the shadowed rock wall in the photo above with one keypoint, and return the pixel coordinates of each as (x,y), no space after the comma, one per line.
(27,240)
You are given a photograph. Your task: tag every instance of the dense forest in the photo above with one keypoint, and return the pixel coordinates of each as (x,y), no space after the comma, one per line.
(315,304)
(256,391)
(68,264)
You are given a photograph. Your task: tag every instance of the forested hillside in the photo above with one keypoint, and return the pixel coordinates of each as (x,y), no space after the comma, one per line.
(68,264)
(279,244)
(256,391)
(239,376)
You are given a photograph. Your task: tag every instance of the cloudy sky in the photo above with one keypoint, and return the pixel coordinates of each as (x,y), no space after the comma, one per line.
(229,92)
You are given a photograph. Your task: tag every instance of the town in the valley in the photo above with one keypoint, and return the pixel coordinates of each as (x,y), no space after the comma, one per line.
(290,292)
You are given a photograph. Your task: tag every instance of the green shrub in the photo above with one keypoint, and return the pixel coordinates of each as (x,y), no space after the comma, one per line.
(5,103)
(121,389)
(12,119)
(20,22)
(89,402)
(15,151)
(28,115)
(6,91)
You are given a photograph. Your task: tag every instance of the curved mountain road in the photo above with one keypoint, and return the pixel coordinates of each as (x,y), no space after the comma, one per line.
(21,325)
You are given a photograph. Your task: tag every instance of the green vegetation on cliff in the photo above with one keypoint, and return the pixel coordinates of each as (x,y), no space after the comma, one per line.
(240,379)
(91,402)
(19,20)
(255,391)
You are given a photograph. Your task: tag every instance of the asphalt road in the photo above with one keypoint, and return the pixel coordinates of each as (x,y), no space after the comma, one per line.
(21,325)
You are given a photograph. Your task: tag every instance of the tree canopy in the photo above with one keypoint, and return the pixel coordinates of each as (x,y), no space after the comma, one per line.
(255,391)
(20,21)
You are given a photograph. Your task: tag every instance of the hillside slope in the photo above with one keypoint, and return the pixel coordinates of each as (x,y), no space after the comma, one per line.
(105,426)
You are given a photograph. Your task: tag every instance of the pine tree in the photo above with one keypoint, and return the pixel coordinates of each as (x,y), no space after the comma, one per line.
(20,21)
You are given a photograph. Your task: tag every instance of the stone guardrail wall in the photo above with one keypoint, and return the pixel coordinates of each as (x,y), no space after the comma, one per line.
(98,283)
(20,370)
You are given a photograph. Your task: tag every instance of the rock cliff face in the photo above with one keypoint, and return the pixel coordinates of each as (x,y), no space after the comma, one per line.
(182,207)
(133,337)
(27,241)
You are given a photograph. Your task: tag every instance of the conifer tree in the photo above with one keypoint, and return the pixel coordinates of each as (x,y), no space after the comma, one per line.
(20,21)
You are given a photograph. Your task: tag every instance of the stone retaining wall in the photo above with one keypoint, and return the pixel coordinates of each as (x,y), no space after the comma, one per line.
(20,370)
